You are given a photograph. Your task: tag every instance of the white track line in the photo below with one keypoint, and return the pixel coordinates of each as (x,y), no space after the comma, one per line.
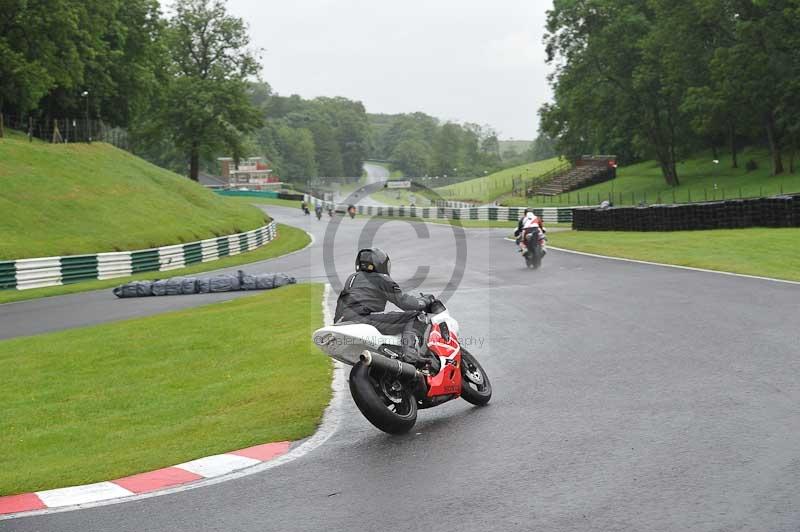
(330,423)
(623,259)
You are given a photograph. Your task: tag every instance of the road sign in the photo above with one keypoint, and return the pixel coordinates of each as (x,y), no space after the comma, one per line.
(398,184)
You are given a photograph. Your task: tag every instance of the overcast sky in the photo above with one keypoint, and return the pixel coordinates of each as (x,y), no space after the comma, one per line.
(463,60)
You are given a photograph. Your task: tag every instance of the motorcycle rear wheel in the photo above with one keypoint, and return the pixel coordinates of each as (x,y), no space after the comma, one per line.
(392,411)
(476,388)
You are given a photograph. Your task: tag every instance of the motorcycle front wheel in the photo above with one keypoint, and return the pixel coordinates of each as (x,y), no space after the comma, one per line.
(385,402)
(476,388)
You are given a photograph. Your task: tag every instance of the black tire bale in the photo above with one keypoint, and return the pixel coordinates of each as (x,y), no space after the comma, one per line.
(173,287)
(203,285)
(159,287)
(189,286)
(265,281)
(224,283)
(282,279)
(144,288)
(246,281)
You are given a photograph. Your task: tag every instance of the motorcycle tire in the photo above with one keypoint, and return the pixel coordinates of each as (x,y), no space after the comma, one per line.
(536,259)
(476,388)
(377,407)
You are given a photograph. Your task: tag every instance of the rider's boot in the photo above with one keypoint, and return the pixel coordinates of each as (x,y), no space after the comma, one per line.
(411,352)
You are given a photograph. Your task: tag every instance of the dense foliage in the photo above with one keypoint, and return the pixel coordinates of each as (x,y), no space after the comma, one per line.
(53,51)
(178,83)
(661,79)
(185,85)
(418,145)
(310,138)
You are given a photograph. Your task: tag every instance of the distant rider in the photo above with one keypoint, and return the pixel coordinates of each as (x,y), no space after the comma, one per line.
(364,299)
(529,223)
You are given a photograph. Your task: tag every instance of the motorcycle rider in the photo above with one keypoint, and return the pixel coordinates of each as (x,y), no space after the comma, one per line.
(318,210)
(365,294)
(530,222)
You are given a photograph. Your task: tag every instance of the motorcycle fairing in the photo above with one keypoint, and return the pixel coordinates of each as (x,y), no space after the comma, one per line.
(345,343)
(448,380)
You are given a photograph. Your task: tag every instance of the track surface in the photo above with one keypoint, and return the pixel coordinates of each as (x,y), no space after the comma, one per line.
(627,397)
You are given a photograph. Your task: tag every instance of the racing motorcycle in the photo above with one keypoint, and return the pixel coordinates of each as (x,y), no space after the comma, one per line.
(389,391)
(534,248)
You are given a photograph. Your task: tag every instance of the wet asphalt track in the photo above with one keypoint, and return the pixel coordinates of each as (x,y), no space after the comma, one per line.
(626,397)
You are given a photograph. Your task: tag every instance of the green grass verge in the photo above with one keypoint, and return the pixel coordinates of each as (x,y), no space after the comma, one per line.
(488,188)
(102,402)
(289,239)
(698,176)
(757,251)
(67,199)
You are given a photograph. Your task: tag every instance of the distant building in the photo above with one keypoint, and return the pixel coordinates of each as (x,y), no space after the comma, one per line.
(250,171)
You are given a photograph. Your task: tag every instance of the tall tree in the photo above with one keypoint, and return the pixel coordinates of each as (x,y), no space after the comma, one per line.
(39,50)
(207,105)
(616,72)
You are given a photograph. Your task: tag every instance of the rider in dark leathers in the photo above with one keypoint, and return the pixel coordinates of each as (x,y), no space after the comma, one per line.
(364,297)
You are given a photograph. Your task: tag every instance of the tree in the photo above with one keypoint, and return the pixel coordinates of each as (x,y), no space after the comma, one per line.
(38,51)
(447,150)
(412,157)
(206,105)
(620,79)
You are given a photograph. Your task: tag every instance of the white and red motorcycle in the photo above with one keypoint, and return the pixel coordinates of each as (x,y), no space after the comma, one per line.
(388,391)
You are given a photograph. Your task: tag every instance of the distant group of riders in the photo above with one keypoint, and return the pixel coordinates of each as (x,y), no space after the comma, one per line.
(318,209)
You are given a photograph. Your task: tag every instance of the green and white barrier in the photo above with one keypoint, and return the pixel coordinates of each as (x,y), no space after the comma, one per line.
(511,214)
(24,274)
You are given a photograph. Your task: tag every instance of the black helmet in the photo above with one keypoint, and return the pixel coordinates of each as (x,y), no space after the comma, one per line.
(373,260)
(528,209)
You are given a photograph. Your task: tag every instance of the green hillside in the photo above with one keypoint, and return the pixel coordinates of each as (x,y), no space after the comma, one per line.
(62,199)
(701,179)
(490,187)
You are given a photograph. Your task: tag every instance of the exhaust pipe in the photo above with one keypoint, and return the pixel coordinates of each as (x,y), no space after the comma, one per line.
(396,368)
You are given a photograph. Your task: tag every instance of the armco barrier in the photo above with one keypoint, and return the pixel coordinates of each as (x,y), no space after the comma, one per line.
(777,211)
(548,214)
(260,194)
(51,271)
(248,193)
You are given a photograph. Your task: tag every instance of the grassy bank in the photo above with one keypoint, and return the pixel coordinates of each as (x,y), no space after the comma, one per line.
(102,402)
(66,199)
(757,251)
(289,239)
(701,179)
(492,186)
